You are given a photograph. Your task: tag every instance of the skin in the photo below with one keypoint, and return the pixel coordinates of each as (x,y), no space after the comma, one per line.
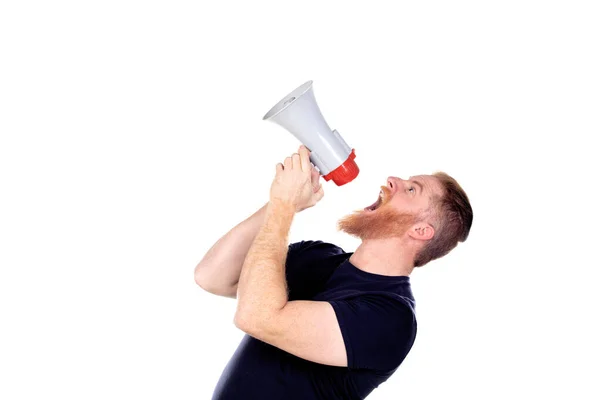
(395,232)
(309,329)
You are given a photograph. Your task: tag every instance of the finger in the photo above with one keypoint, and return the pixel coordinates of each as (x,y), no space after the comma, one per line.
(314,173)
(320,193)
(278,167)
(315,177)
(296,161)
(287,163)
(304,158)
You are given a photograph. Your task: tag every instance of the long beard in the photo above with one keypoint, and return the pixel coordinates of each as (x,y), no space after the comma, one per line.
(384,222)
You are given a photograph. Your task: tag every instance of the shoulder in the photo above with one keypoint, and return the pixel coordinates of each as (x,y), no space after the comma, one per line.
(379,329)
(314,246)
(312,250)
(389,306)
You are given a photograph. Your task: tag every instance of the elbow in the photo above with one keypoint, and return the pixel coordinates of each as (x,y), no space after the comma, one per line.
(242,318)
(202,279)
(247,322)
(200,282)
(199,277)
(257,325)
(208,284)
(239,322)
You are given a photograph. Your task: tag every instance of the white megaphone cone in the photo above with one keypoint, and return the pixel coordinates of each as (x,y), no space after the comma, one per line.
(299,114)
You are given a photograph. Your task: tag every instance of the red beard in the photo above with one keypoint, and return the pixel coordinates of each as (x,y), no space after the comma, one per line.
(384,222)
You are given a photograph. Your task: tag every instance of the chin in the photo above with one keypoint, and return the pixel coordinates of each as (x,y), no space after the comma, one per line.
(379,222)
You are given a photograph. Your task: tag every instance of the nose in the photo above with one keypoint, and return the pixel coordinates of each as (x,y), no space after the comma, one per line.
(393,184)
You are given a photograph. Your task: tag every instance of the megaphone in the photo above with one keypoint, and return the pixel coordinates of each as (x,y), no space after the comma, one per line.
(299,114)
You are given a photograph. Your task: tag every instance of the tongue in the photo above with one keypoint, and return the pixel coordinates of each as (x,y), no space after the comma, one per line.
(374,205)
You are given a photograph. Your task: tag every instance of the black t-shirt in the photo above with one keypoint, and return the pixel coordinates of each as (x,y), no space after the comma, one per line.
(376,314)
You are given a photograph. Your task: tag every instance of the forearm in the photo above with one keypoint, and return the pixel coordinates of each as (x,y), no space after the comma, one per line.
(262,286)
(221,265)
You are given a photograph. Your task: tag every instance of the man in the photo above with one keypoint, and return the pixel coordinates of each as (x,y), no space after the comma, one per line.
(322,323)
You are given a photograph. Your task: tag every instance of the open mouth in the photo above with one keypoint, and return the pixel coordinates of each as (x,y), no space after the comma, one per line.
(377,204)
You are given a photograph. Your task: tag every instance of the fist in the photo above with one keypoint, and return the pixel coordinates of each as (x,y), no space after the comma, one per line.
(296,182)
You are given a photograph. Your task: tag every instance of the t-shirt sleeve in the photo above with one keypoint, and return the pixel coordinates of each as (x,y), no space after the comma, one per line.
(308,266)
(378,330)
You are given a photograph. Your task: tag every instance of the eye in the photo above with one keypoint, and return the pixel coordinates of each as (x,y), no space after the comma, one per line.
(411,188)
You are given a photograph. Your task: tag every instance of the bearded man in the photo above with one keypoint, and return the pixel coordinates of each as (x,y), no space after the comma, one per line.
(320,322)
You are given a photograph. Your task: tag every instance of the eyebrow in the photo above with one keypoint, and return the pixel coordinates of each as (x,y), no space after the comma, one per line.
(418,184)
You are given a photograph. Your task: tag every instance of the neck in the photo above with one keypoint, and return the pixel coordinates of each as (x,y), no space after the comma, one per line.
(384,257)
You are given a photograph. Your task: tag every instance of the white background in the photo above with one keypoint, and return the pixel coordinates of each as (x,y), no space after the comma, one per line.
(132,139)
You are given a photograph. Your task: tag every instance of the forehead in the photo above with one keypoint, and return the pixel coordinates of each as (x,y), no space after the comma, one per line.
(430,183)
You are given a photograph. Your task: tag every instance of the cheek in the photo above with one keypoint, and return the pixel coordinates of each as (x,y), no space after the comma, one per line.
(397,204)
(404,205)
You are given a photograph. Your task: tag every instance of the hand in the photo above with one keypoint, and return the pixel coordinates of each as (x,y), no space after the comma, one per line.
(296,182)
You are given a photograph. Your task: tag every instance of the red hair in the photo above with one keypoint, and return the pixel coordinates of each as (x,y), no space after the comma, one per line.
(452,218)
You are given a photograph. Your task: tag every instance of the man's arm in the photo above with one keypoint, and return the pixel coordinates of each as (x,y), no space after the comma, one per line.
(307,329)
(219,270)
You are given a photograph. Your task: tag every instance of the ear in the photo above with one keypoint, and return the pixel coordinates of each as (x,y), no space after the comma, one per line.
(421,231)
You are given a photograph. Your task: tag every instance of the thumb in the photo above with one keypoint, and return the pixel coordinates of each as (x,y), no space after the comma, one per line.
(314,178)
(320,193)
